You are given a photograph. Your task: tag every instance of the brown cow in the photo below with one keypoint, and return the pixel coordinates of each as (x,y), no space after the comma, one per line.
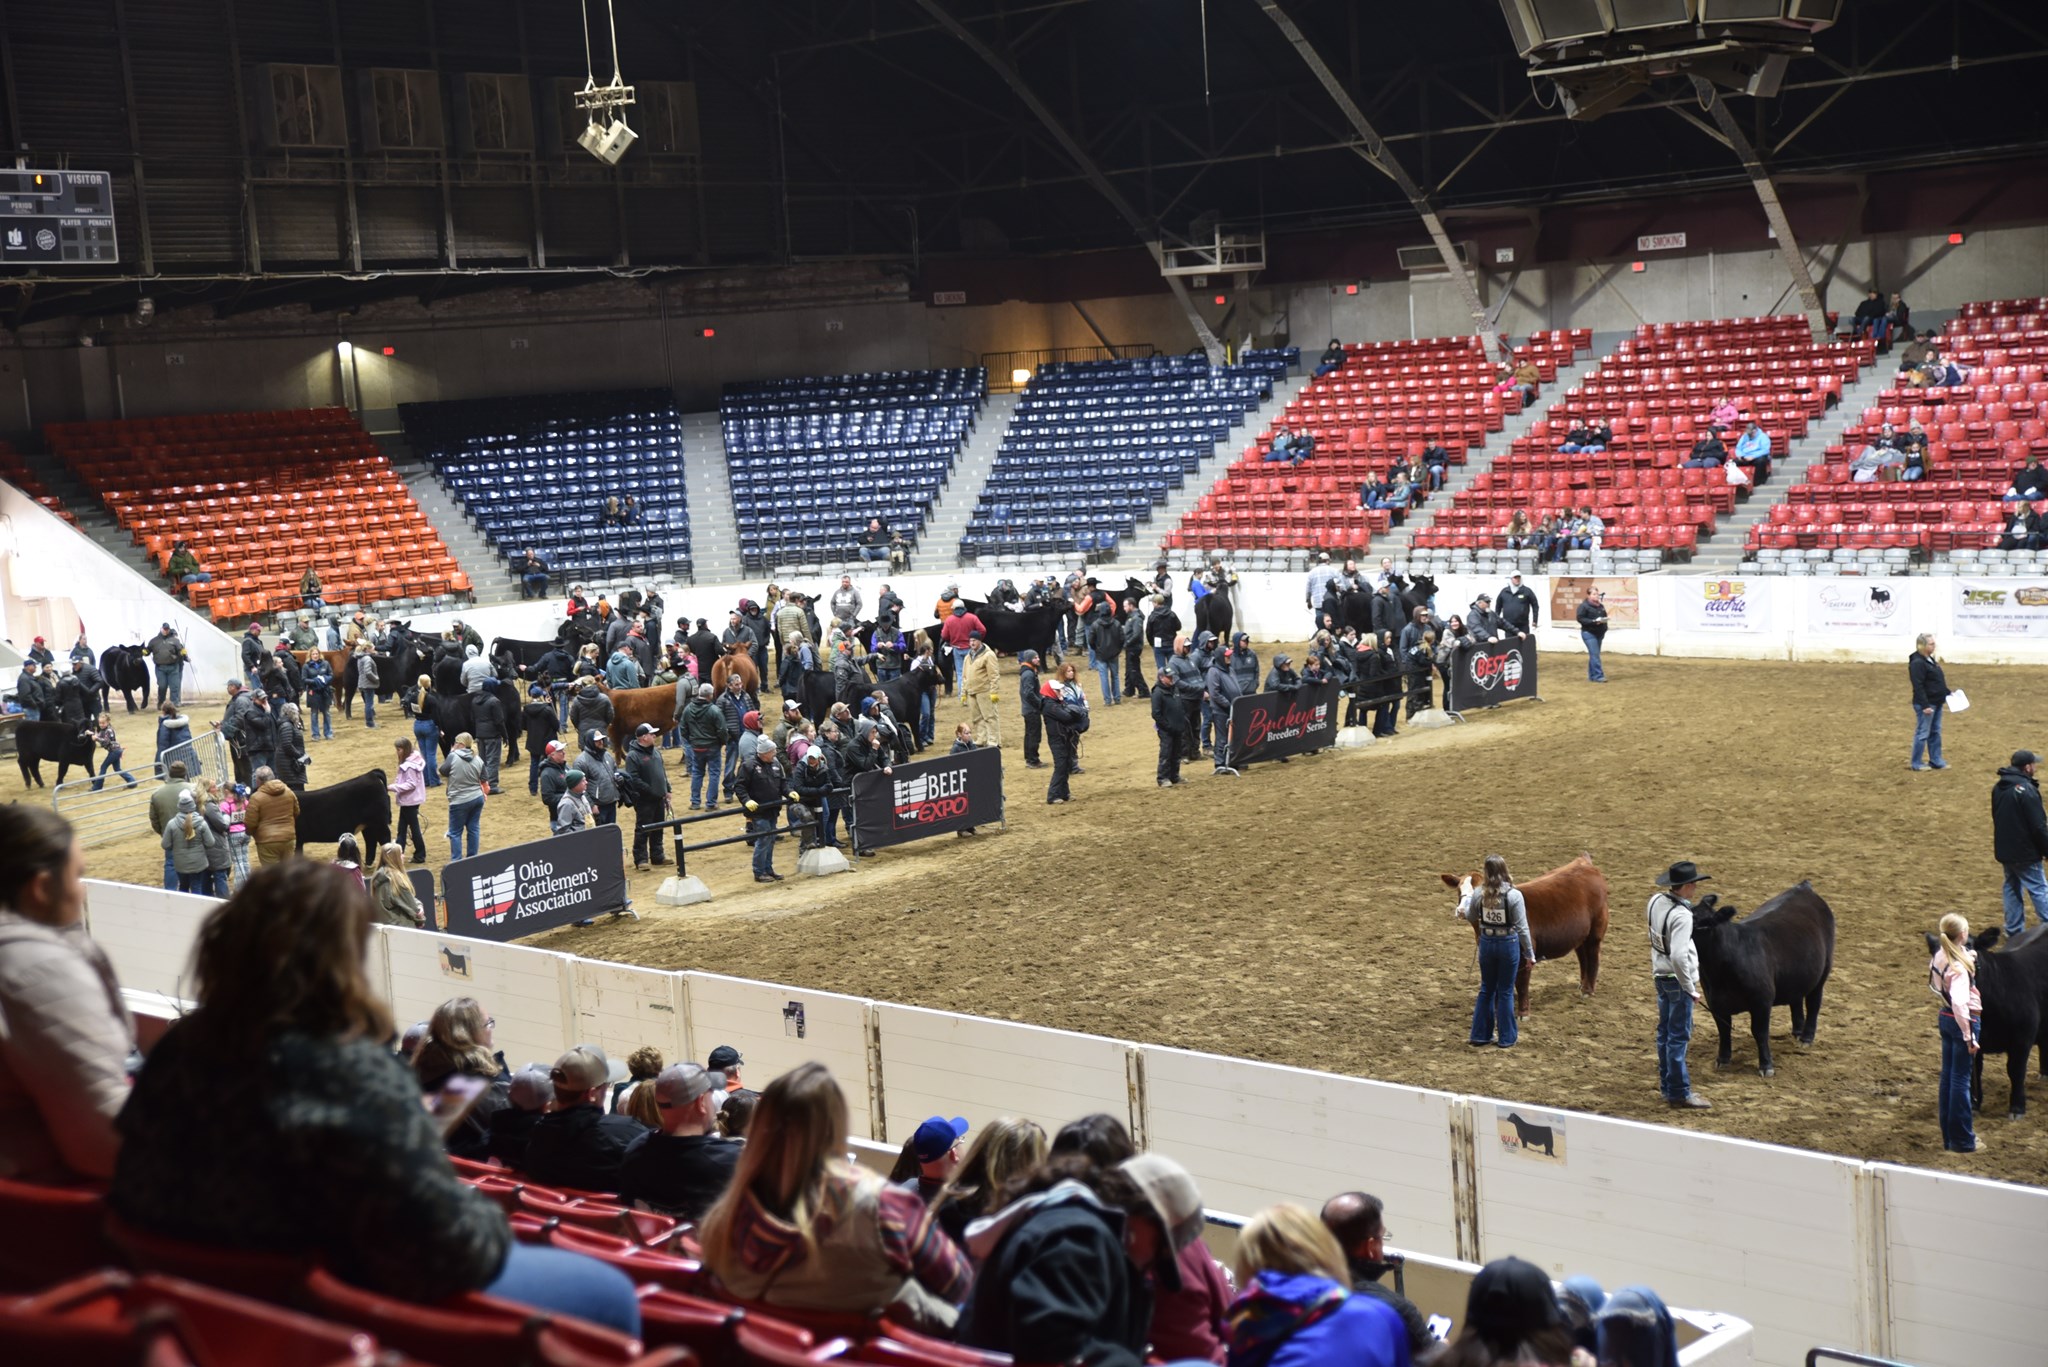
(655,706)
(736,657)
(1567,915)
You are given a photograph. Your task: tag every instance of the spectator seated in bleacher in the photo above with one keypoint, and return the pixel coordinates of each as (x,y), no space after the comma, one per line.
(1708,453)
(1394,494)
(309,591)
(1295,1303)
(2029,482)
(874,542)
(1724,413)
(1287,447)
(511,1128)
(1900,317)
(1518,531)
(683,1168)
(1589,436)
(1870,319)
(459,1044)
(1522,377)
(1511,1316)
(613,513)
(1359,1223)
(1881,455)
(1753,452)
(577,1144)
(2025,530)
(66,1040)
(1003,1149)
(803,1227)
(1437,459)
(532,567)
(184,568)
(1550,539)
(1332,359)
(273,1119)
(1916,352)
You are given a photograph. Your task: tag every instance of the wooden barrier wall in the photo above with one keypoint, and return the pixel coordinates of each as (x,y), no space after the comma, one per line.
(1808,1248)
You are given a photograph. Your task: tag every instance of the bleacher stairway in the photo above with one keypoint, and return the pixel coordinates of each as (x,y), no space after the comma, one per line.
(1723,552)
(91,515)
(489,576)
(1460,478)
(1180,502)
(714,533)
(938,548)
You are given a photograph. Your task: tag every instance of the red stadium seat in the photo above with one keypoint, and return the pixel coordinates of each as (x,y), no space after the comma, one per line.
(476,1330)
(50,1234)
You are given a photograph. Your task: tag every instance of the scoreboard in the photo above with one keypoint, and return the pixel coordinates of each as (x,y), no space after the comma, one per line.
(56,217)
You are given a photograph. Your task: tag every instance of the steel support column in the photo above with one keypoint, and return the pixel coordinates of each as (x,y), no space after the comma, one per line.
(1084,164)
(1760,180)
(1375,152)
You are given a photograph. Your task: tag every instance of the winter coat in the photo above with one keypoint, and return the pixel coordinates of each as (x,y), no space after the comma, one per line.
(982,673)
(539,721)
(1293,1320)
(410,787)
(648,776)
(1028,696)
(2019,832)
(288,758)
(1244,667)
(463,775)
(589,709)
(554,781)
(273,817)
(189,844)
(217,856)
(475,670)
(259,730)
(63,1053)
(764,784)
(367,678)
(397,903)
(1106,637)
(1054,1283)
(1930,685)
(318,678)
(166,651)
(703,724)
(736,703)
(313,1144)
(1167,713)
(603,774)
(487,716)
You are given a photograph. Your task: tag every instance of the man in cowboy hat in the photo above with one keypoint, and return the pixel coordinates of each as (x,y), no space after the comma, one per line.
(1675,965)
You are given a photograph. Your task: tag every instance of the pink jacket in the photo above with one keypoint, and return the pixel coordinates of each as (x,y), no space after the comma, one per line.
(411,786)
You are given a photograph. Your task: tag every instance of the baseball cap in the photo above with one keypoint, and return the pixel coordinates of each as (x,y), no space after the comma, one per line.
(791,705)
(752,721)
(679,1084)
(1171,1193)
(724,1056)
(532,1088)
(2022,758)
(556,747)
(974,636)
(645,729)
(582,1068)
(936,1136)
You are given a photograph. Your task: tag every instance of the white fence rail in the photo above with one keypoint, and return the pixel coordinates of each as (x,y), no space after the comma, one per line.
(1807,1248)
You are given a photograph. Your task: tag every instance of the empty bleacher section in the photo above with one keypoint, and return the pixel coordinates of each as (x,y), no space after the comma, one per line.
(1095,446)
(260,497)
(811,460)
(1387,401)
(1979,434)
(1656,391)
(535,472)
(16,471)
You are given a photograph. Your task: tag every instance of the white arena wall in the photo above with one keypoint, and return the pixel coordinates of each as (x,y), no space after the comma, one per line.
(52,577)
(1788,1249)
(1784,617)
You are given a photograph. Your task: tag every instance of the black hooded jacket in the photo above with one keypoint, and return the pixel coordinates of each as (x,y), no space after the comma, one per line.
(2019,831)
(1057,1285)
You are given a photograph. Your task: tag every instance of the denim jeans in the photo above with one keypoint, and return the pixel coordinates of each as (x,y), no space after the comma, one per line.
(112,762)
(532,772)
(323,722)
(2024,878)
(369,707)
(701,764)
(1927,737)
(732,764)
(1105,670)
(170,685)
(426,736)
(567,1283)
(170,874)
(1952,1103)
(764,848)
(219,880)
(1674,1033)
(492,751)
(959,668)
(465,818)
(926,723)
(1493,1013)
(1160,658)
(1594,673)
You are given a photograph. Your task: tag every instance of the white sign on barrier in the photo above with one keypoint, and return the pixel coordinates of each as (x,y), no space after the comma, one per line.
(2002,607)
(1857,607)
(1721,605)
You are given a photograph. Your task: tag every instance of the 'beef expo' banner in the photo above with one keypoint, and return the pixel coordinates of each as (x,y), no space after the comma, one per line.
(523,890)
(930,797)
(1272,725)
(1489,675)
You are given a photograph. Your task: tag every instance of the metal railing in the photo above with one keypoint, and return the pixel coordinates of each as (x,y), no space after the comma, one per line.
(105,809)
(790,822)
(1003,366)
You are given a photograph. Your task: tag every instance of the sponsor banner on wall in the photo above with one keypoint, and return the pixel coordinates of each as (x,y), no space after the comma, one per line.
(1489,675)
(1721,605)
(1620,595)
(1273,725)
(930,797)
(523,890)
(2001,607)
(1858,607)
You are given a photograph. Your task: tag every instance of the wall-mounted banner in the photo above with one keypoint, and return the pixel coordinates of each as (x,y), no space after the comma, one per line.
(1621,595)
(1272,725)
(930,797)
(1536,1135)
(2001,607)
(1720,605)
(1857,607)
(523,890)
(1489,675)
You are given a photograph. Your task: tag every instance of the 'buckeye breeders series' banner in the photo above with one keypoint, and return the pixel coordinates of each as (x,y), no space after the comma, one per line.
(1489,675)
(1272,725)
(529,888)
(930,797)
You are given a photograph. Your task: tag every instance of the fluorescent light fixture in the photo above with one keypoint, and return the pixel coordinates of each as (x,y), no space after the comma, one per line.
(1020,375)
(343,350)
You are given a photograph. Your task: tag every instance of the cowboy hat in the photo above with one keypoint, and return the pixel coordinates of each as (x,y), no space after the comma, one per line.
(1681,873)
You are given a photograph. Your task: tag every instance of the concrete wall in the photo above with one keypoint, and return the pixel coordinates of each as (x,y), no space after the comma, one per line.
(625,334)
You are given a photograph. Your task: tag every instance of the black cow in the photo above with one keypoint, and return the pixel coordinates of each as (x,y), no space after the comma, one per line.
(1780,956)
(361,804)
(815,694)
(1416,593)
(458,715)
(513,658)
(395,670)
(906,694)
(124,669)
(2014,986)
(1533,1136)
(1009,632)
(36,741)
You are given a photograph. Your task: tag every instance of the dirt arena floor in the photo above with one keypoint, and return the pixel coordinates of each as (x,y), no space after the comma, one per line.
(1295,914)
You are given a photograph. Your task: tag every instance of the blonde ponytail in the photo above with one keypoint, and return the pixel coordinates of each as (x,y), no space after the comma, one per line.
(1955,933)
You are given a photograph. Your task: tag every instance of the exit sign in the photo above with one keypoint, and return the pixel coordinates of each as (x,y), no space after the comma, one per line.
(1660,242)
(942,298)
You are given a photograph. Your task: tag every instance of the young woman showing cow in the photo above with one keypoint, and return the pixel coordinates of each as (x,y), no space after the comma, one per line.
(1496,910)
(1953,977)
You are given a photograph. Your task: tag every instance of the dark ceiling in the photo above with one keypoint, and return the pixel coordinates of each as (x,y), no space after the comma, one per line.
(849,128)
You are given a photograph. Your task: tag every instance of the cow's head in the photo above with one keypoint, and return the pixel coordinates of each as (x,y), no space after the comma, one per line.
(1422,586)
(1463,882)
(1708,913)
